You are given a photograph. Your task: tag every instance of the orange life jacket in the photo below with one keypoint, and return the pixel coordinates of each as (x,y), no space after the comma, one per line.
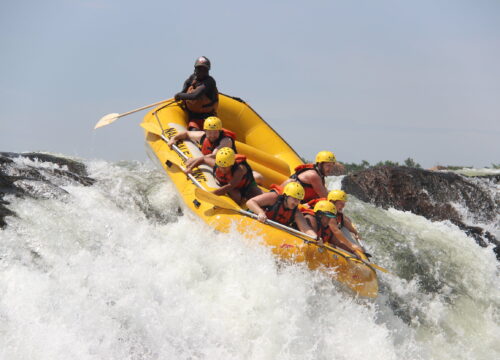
(324,233)
(313,202)
(203,104)
(224,179)
(310,206)
(306,211)
(310,194)
(278,212)
(207,147)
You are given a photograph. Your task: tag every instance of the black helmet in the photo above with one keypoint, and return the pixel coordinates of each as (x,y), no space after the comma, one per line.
(202,61)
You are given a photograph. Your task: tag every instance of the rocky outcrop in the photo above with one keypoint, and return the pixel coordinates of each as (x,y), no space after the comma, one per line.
(434,195)
(24,178)
(339,169)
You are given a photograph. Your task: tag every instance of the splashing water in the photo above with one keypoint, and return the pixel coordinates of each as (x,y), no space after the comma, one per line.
(120,270)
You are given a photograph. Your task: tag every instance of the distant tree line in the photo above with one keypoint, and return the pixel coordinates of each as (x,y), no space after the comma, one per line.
(353,167)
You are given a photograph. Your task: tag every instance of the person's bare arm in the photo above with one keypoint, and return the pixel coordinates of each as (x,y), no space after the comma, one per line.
(192,95)
(303,225)
(315,181)
(192,163)
(237,177)
(257,203)
(178,137)
(355,249)
(194,136)
(225,142)
(348,224)
(195,162)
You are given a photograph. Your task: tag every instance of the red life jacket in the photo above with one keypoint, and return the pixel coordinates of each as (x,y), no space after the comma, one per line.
(207,147)
(278,212)
(306,211)
(224,179)
(313,202)
(310,194)
(323,232)
(340,216)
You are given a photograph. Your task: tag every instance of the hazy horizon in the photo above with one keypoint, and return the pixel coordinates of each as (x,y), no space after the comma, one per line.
(371,81)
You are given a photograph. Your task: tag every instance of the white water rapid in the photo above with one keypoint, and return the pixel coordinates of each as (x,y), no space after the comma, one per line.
(115,271)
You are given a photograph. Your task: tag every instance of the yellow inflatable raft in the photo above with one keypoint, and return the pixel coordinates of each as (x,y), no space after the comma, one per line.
(271,156)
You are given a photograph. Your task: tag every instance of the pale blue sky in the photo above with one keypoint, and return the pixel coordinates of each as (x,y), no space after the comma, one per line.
(372,79)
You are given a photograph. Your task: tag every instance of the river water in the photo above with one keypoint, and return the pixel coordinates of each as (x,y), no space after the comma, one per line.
(119,270)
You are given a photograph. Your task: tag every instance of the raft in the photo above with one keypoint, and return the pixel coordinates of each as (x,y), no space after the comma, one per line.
(271,156)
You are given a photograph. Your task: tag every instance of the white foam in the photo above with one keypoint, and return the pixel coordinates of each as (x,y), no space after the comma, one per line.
(112,271)
(477,171)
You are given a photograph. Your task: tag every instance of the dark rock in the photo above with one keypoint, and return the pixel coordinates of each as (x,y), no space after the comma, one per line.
(430,194)
(339,169)
(37,181)
(4,212)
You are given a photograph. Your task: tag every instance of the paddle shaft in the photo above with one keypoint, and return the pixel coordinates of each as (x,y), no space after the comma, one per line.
(311,240)
(178,151)
(276,224)
(306,238)
(303,236)
(190,176)
(145,107)
(110,118)
(181,154)
(219,202)
(155,129)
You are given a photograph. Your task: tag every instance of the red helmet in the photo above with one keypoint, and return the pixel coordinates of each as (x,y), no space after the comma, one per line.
(202,61)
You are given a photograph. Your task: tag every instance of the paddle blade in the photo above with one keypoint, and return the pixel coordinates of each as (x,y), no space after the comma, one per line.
(215,200)
(152,128)
(106,120)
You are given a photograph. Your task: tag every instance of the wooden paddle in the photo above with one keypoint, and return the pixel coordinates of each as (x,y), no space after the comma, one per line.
(219,201)
(108,119)
(224,204)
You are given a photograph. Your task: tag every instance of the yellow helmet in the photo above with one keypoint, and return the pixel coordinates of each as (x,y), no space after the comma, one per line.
(325,207)
(325,156)
(295,190)
(225,157)
(212,123)
(335,195)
